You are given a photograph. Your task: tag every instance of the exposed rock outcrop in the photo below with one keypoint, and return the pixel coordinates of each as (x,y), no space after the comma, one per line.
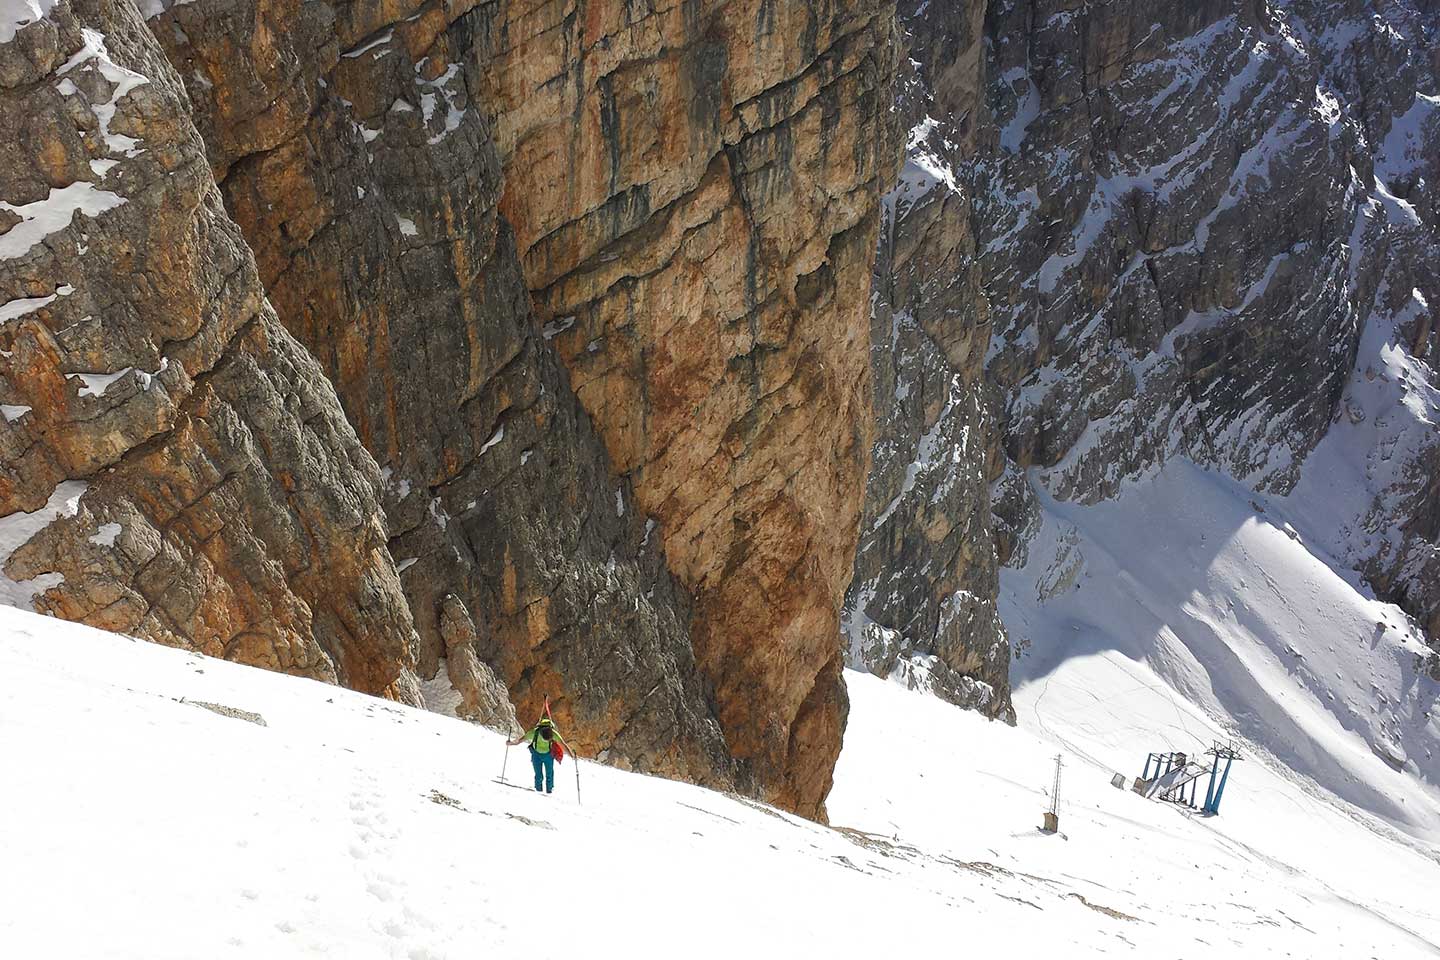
(483,698)
(656,534)
(1153,318)
(693,189)
(1207,223)
(1195,230)
(542,350)
(922,606)
(353,152)
(209,492)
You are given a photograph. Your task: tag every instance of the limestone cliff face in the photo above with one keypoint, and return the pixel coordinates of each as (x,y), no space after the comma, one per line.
(172,463)
(1187,328)
(693,190)
(542,349)
(352,150)
(1198,230)
(1208,229)
(592,282)
(922,607)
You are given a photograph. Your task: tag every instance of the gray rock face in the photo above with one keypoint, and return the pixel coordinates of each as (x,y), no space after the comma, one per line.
(1140,309)
(172,464)
(922,604)
(482,697)
(1196,230)
(1202,237)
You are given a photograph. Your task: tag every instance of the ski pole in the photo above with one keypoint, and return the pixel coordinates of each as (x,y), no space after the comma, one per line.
(577,780)
(504,763)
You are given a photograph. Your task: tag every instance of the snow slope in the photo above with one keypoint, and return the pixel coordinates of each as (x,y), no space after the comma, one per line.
(1190,583)
(139,822)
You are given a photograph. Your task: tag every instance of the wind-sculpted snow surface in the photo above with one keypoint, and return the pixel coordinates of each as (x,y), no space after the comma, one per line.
(163,804)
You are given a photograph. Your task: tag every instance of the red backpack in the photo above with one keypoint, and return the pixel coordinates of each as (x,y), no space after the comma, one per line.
(556,751)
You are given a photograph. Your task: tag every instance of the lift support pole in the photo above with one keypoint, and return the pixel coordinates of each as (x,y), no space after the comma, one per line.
(1214,792)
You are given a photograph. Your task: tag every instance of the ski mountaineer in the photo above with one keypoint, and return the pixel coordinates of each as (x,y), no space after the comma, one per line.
(542,738)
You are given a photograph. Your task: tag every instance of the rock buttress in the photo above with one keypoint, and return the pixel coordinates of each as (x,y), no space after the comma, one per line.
(693,188)
(172,464)
(656,534)
(353,152)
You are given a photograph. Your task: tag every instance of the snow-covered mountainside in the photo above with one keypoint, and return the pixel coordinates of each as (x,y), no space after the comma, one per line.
(1136,244)
(160,804)
(485,355)
(1155,389)
(1223,600)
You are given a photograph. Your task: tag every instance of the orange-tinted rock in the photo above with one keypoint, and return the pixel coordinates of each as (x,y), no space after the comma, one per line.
(687,196)
(374,219)
(696,188)
(210,493)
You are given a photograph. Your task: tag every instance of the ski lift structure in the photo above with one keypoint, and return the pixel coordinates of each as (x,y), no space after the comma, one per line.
(1052,816)
(1175,777)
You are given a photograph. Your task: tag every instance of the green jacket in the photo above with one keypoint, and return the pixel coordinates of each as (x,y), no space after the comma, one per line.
(541,744)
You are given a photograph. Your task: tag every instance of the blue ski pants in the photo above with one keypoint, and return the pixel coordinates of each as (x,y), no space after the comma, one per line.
(544,765)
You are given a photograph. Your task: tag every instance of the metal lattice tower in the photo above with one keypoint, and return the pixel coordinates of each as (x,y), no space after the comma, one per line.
(1055,790)
(1052,816)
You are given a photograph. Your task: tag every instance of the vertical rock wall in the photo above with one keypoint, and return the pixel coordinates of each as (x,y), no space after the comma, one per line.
(593,285)
(693,189)
(355,155)
(922,607)
(656,533)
